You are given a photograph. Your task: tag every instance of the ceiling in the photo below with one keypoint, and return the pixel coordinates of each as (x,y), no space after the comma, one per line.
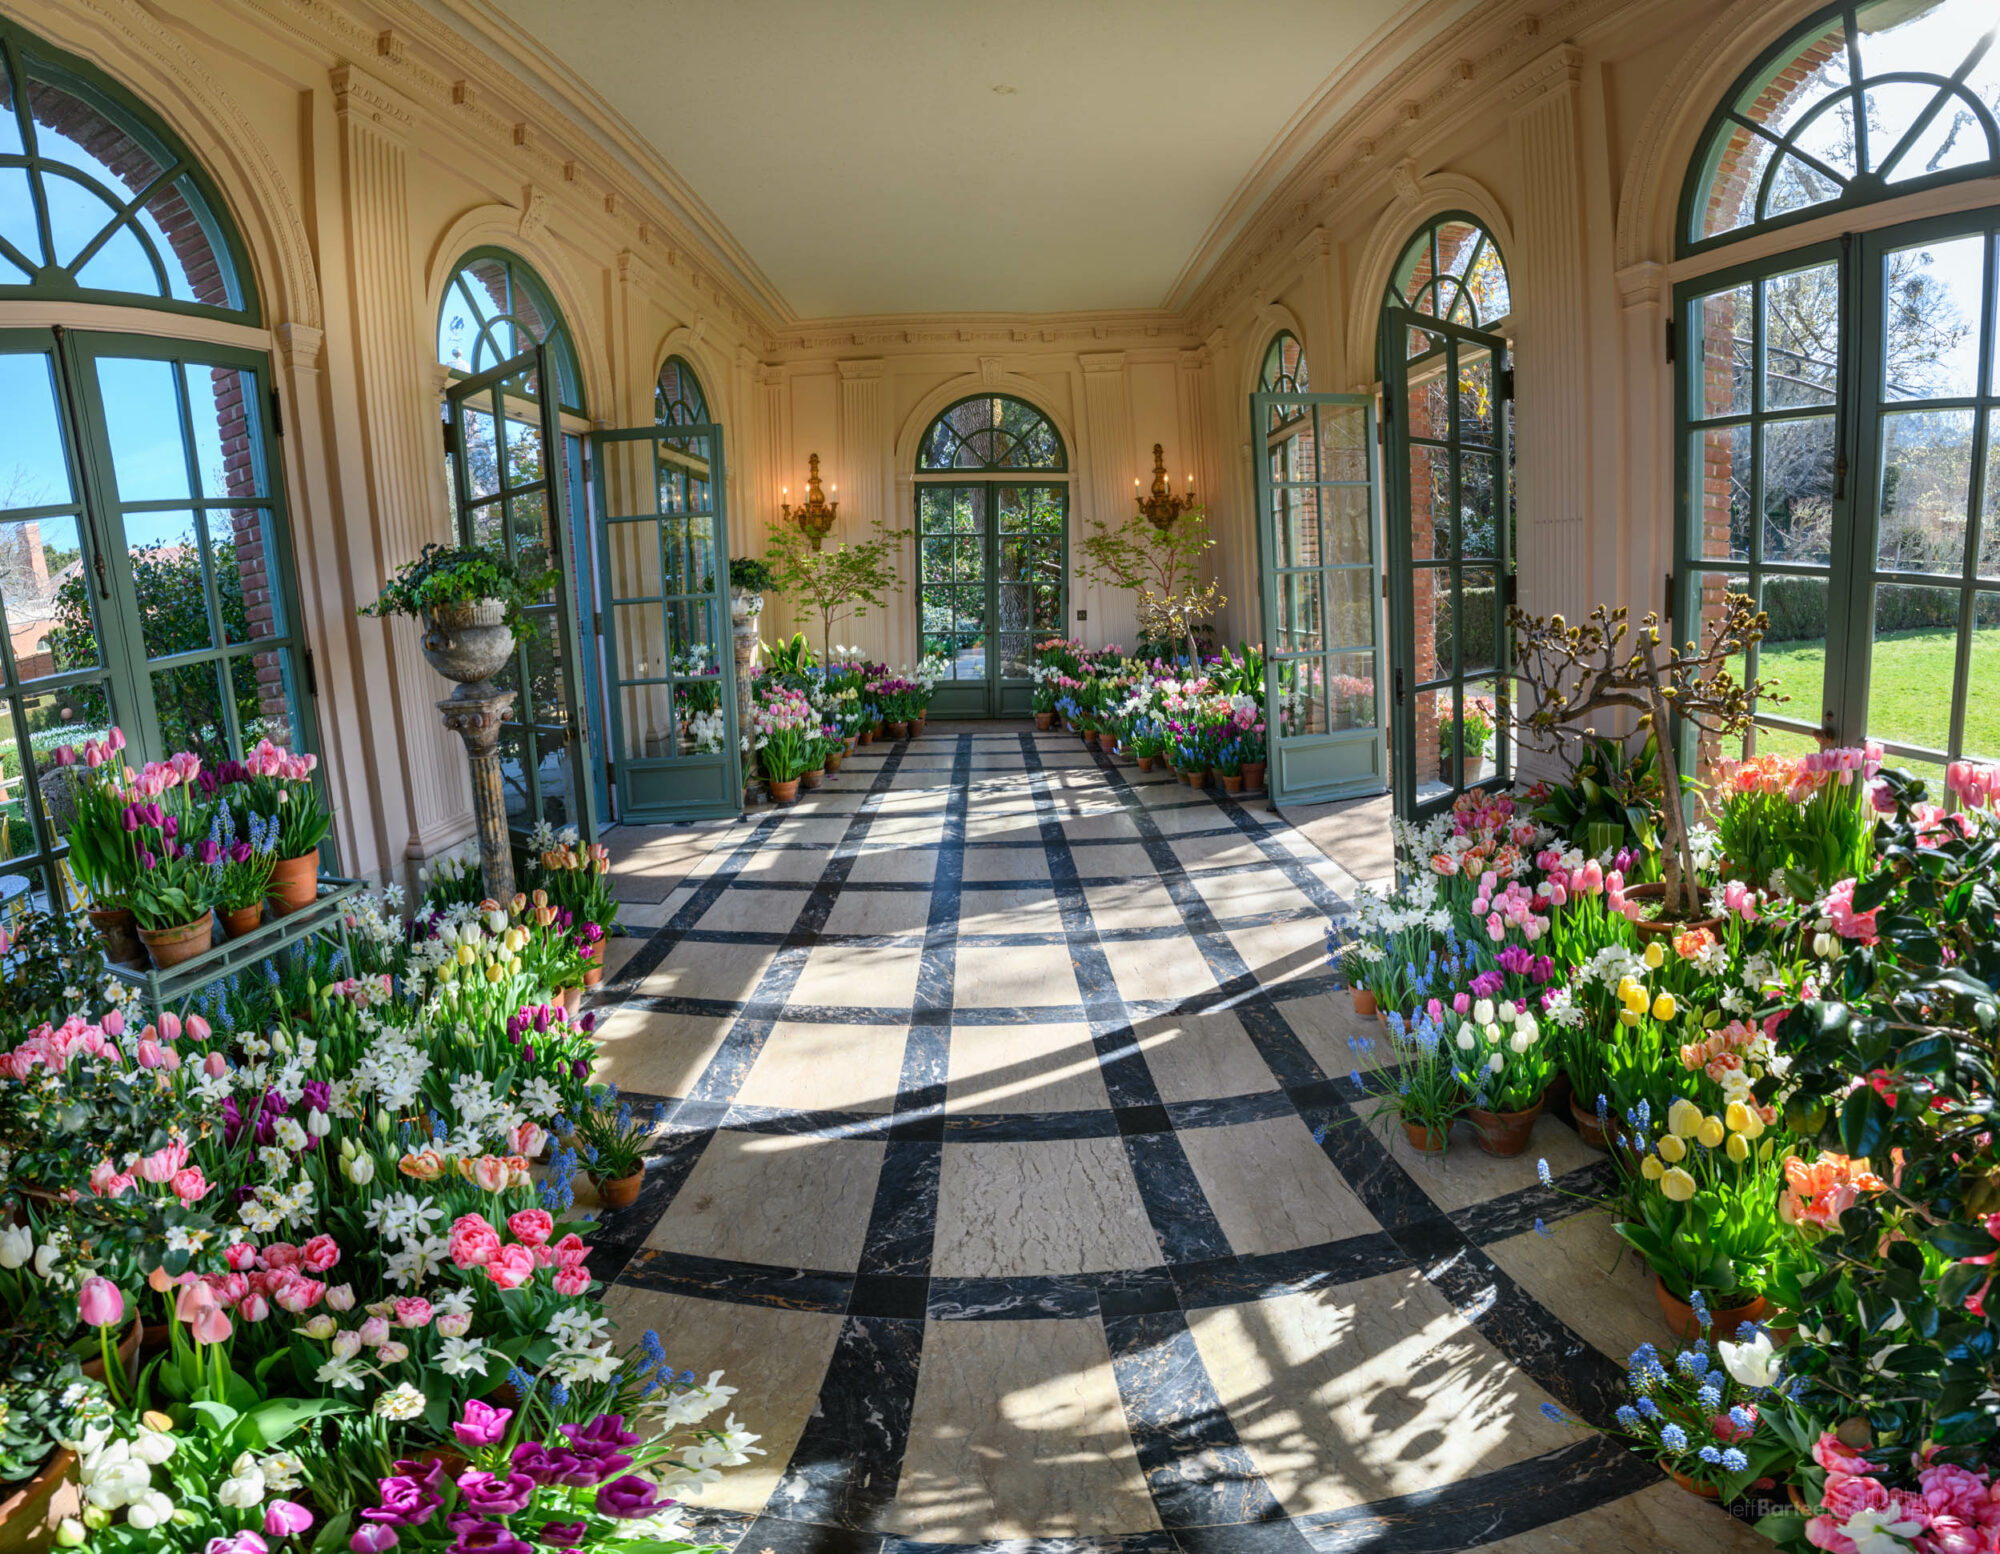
(927,156)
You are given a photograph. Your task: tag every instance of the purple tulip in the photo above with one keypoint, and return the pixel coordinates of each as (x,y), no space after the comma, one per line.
(374,1540)
(561,1535)
(131,817)
(476,1535)
(317,1095)
(629,1498)
(405,1503)
(493,1495)
(239,852)
(545,1466)
(209,852)
(606,1431)
(483,1425)
(245,1542)
(282,1518)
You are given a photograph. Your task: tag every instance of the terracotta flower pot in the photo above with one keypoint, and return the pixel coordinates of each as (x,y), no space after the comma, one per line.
(1253,776)
(879,729)
(1723,1324)
(572,1001)
(1364,1002)
(1043,720)
(917,723)
(1232,782)
(852,740)
(120,933)
(1504,1133)
(30,1512)
(171,946)
(784,792)
(1145,763)
(833,760)
(1665,928)
(899,731)
(1705,1491)
(623,1192)
(811,780)
(1424,1139)
(294,883)
(243,920)
(593,974)
(1587,1128)
(1198,779)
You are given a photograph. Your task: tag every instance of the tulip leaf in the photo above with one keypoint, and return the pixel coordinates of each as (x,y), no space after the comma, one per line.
(271,1421)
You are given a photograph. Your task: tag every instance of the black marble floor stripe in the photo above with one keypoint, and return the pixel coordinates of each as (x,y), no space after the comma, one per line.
(617,990)
(740,1284)
(1015,939)
(1233,1281)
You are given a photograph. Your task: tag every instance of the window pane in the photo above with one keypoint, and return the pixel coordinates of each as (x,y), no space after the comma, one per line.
(1926,490)
(524,452)
(1802,338)
(228,438)
(1989,521)
(1432,592)
(1793,654)
(1430,503)
(1931,304)
(1302,696)
(1479,637)
(1350,534)
(121,263)
(1721,472)
(1982,696)
(1350,608)
(267,702)
(1719,345)
(17,222)
(188,702)
(1300,619)
(36,559)
(143,419)
(1351,691)
(1798,491)
(36,470)
(482,458)
(1913,664)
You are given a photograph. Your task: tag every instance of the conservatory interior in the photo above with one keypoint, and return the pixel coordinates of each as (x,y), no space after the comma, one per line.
(898,778)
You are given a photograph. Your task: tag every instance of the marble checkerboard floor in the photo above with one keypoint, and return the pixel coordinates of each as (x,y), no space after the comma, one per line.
(1012,1173)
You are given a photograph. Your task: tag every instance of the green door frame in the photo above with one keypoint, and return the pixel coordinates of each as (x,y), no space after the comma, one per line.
(1404,565)
(1305,598)
(993,695)
(518,535)
(671,784)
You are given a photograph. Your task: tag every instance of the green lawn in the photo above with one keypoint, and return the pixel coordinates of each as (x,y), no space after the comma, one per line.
(1910,691)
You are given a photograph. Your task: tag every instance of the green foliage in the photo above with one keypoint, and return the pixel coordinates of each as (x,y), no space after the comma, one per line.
(1161,566)
(789,656)
(44,1399)
(749,574)
(1611,801)
(837,581)
(55,965)
(441,576)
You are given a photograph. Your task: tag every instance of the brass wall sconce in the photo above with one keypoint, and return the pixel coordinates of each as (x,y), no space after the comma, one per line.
(1162,507)
(815,515)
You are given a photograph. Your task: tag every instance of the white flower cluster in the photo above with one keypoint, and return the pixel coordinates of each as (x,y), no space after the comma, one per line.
(545,838)
(252,1478)
(116,1474)
(1611,966)
(708,731)
(583,1346)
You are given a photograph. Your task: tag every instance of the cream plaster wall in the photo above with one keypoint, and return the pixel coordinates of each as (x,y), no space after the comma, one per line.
(362,146)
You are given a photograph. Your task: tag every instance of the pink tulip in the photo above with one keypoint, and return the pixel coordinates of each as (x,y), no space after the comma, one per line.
(170,1027)
(214,1066)
(113,1023)
(211,1326)
(190,1184)
(282,1518)
(253,1307)
(194,1298)
(100,1303)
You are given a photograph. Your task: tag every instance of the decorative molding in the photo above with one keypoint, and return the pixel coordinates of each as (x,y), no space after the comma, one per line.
(1403,179)
(300,346)
(1097,362)
(1642,285)
(990,368)
(534,211)
(357,93)
(1560,68)
(866,369)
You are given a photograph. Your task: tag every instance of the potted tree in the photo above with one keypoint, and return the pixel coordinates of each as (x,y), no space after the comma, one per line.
(838,581)
(470,599)
(1162,565)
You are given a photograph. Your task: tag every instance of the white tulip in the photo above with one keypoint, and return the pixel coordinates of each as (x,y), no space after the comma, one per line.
(148,1511)
(318,1124)
(153,1447)
(242,1491)
(1519,1043)
(17,1245)
(45,1259)
(1466,1040)
(1482,1012)
(1508,1011)
(1752,1364)
(1494,1063)
(361,1170)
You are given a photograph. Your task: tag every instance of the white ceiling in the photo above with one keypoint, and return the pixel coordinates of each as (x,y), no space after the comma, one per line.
(919,156)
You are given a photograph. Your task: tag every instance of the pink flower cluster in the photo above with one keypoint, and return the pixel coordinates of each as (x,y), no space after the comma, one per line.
(156,777)
(1510,907)
(269,760)
(1841,764)
(1974,782)
(96,752)
(1848,923)
(279,1275)
(474,1243)
(1953,1510)
(1720,1052)
(166,1166)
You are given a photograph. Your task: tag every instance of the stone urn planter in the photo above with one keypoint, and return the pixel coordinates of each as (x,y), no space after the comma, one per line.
(469,644)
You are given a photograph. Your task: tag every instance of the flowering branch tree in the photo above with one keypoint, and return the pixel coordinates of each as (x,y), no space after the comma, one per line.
(843,580)
(1161,566)
(1566,673)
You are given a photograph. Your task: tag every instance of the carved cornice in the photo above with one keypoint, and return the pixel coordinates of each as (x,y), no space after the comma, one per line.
(300,345)
(860,369)
(1102,361)
(1642,285)
(357,94)
(1561,67)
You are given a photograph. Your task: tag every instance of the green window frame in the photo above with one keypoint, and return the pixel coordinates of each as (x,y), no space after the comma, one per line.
(1860,103)
(677,396)
(496,308)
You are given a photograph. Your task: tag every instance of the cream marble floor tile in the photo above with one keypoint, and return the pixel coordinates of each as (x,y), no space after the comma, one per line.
(1058,1206)
(1214,852)
(879,911)
(776,1360)
(1576,1272)
(1009,825)
(1659,1518)
(905,802)
(1375,1388)
(1179,820)
(906,831)
(807,1067)
(1010,977)
(895,866)
(1006,863)
(1156,790)
(860,975)
(1200,1057)
(727,971)
(842,797)
(754,911)
(619,950)
(806,826)
(648,916)
(657,1054)
(775,1198)
(1326,1023)
(1147,969)
(1023,1068)
(1133,903)
(1018,1432)
(1103,826)
(1465,1174)
(1028,910)
(802,865)
(1113,861)
(1272,1188)
(1243,895)
(1280,952)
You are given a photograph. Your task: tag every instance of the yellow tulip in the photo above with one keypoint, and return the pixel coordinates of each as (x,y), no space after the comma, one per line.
(1754,1128)
(465,955)
(1673,1148)
(1626,987)
(1627,1017)
(1711,1132)
(1664,1007)
(1651,1168)
(1677,1185)
(1684,1118)
(1736,1117)
(1635,999)
(1655,956)
(492,973)
(1739,1148)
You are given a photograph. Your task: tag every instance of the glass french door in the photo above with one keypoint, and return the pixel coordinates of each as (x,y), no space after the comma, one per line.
(990,560)
(510,488)
(1320,584)
(669,668)
(1448,406)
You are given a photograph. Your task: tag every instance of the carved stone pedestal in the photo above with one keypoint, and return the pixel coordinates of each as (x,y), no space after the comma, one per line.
(744,611)
(476,719)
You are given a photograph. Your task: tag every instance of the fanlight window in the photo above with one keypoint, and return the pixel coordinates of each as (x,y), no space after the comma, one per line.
(98,201)
(1452,270)
(1284,373)
(1865,102)
(677,398)
(991,432)
(495,309)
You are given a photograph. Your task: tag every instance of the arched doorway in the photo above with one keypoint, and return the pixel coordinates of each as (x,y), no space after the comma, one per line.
(515,423)
(1448,389)
(146,572)
(992,492)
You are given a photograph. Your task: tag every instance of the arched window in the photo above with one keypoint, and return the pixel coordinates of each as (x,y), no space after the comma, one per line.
(992,537)
(1838,427)
(1862,103)
(1284,372)
(98,202)
(1452,270)
(677,397)
(991,432)
(496,308)
(145,564)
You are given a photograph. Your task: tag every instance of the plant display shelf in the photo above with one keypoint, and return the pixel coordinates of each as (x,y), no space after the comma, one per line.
(327,916)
